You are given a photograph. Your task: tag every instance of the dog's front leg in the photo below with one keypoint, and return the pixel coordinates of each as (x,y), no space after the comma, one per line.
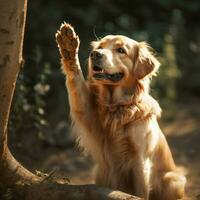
(68,44)
(140,183)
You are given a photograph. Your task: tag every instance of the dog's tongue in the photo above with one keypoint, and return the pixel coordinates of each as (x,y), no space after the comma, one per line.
(113,77)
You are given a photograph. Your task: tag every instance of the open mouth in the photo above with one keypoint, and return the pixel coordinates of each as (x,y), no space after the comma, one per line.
(97,68)
(100,74)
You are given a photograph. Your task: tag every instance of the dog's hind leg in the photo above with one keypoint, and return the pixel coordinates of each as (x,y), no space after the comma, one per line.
(170,186)
(166,182)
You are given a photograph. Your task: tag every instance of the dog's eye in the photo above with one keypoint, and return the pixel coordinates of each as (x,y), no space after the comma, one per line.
(99,47)
(120,50)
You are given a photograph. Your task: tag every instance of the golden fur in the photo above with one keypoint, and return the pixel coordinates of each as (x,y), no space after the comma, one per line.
(117,120)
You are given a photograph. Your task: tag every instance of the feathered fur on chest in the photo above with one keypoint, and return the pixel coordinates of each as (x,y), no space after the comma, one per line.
(114,117)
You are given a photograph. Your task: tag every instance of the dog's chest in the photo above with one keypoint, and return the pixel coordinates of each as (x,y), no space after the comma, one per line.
(132,141)
(138,134)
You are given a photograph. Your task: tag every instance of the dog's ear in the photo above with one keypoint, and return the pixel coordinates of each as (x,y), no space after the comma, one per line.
(94,44)
(145,62)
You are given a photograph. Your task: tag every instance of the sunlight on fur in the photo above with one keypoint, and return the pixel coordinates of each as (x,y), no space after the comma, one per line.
(116,118)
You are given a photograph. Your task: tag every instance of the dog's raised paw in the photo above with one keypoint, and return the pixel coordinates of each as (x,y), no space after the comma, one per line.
(68,41)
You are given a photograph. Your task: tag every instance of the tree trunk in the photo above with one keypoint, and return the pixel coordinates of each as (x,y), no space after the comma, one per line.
(12,23)
(12,173)
(54,191)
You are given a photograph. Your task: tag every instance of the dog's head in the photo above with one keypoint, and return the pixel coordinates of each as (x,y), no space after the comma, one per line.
(116,59)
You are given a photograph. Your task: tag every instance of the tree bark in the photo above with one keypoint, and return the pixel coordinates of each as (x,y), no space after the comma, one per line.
(12,173)
(54,191)
(12,23)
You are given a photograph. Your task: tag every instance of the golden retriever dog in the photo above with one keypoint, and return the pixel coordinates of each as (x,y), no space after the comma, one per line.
(117,117)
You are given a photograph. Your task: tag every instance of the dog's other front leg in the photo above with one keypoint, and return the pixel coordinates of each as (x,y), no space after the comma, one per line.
(68,44)
(140,183)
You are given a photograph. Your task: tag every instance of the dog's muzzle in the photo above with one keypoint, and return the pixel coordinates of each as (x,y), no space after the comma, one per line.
(96,57)
(99,71)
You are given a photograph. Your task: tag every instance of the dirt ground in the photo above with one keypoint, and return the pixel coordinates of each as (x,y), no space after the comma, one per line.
(183,135)
(181,125)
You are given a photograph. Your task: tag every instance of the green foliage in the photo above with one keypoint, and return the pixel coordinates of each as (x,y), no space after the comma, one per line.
(28,110)
(169,71)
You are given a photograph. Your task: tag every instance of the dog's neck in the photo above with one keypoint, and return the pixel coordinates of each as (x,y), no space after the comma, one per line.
(118,105)
(114,96)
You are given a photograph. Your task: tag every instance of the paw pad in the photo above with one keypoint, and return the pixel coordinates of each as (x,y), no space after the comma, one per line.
(68,41)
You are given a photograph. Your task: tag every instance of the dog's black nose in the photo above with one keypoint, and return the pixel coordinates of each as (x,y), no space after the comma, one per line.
(96,55)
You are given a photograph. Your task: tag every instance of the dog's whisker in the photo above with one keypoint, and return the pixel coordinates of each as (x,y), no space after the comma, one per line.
(94,32)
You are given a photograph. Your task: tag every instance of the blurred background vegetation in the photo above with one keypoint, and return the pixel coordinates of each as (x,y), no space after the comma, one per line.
(40,109)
